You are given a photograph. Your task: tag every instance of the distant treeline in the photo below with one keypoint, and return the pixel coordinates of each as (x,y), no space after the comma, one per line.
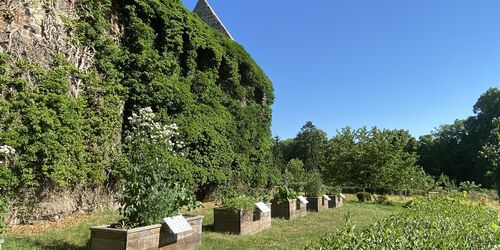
(393,160)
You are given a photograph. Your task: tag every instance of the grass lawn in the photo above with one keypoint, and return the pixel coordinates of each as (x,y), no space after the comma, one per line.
(73,232)
(295,234)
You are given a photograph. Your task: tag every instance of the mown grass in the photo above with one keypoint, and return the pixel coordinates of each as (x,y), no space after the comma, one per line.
(298,233)
(69,234)
(74,233)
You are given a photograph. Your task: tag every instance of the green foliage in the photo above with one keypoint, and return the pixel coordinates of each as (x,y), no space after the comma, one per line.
(382,160)
(294,175)
(309,146)
(468,186)
(364,196)
(240,202)
(465,150)
(449,221)
(284,194)
(383,200)
(336,190)
(491,153)
(151,188)
(4,205)
(152,53)
(314,185)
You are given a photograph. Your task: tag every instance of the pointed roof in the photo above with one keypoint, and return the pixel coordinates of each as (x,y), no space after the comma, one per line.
(208,15)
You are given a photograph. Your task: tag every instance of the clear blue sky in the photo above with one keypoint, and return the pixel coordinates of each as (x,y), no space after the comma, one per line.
(388,63)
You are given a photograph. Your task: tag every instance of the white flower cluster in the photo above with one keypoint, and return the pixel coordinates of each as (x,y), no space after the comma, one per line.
(7,150)
(145,128)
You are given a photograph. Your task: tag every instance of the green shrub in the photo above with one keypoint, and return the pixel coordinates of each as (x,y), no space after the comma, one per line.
(4,204)
(240,202)
(335,190)
(284,194)
(150,189)
(314,185)
(449,221)
(364,196)
(383,200)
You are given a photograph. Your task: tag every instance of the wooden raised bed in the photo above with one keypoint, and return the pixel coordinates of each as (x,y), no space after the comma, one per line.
(288,210)
(336,201)
(317,204)
(241,221)
(157,236)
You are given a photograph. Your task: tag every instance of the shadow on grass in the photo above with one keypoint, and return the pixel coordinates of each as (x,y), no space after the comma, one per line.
(45,245)
(208,228)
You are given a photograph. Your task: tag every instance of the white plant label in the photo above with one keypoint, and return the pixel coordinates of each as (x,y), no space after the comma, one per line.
(178,224)
(262,207)
(342,195)
(302,199)
(327,197)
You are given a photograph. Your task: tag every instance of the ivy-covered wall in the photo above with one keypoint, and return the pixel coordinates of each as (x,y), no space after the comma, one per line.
(65,119)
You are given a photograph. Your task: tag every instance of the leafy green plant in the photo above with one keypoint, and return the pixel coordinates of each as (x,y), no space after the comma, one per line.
(4,205)
(150,190)
(294,175)
(334,190)
(383,200)
(364,196)
(240,202)
(469,186)
(314,185)
(446,221)
(284,194)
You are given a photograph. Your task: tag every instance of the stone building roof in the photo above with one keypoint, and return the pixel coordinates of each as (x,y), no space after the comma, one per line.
(208,15)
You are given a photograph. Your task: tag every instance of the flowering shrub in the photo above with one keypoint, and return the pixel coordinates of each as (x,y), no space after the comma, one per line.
(150,190)
(7,178)
(447,221)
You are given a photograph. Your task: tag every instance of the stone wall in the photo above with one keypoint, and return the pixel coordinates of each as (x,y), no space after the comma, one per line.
(34,30)
(289,210)
(147,238)
(336,201)
(317,204)
(241,221)
(208,15)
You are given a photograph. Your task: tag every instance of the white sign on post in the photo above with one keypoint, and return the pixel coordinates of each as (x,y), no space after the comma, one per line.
(302,199)
(327,197)
(342,195)
(178,224)
(262,207)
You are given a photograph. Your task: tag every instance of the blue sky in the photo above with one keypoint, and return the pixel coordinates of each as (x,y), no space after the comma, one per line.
(388,63)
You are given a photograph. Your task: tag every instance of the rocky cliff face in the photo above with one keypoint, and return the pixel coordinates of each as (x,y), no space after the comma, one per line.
(37,30)
(34,30)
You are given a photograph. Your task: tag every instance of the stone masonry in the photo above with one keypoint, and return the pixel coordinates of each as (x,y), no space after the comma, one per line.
(336,201)
(317,204)
(147,238)
(289,210)
(241,222)
(208,15)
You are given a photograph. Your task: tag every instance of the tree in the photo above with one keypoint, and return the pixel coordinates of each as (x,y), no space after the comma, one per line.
(309,146)
(491,152)
(457,150)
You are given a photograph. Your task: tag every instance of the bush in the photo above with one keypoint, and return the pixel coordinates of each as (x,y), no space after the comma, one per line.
(334,190)
(364,196)
(284,194)
(4,204)
(383,200)
(240,202)
(150,193)
(314,185)
(449,221)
